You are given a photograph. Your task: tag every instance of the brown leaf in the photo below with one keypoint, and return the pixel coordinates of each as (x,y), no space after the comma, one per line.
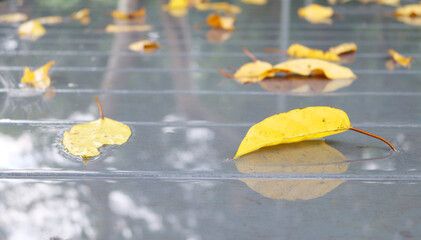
(223,22)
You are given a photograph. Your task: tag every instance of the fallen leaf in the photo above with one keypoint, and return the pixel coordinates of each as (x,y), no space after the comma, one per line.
(410,10)
(219,6)
(223,22)
(308,157)
(344,48)
(403,61)
(13,17)
(384,2)
(32,30)
(298,50)
(298,125)
(315,13)
(38,78)
(126,16)
(85,139)
(85,20)
(255,2)
(144,46)
(79,15)
(50,20)
(177,8)
(304,85)
(306,67)
(218,35)
(127,28)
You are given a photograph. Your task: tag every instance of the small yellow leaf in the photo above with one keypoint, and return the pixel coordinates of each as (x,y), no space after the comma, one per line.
(253,72)
(294,126)
(50,20)
(127,28)
(85,139)
(38,78)
(79,15)
(299,50)
(13,17)
(144,46)
(343,48)
(32,30)
(177,8)
(219,6)
(255,2)
(305,67)
(85,20)
(308,157)
(315,13)
(125,16)
(217,21)
(410,10)
(403,61)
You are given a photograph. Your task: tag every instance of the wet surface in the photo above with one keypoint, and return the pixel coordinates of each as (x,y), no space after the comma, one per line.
(174,178)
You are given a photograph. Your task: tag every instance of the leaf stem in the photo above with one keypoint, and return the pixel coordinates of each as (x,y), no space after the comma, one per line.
(249,54)
(225,74)
(100,108)
(275,50)
(374,136)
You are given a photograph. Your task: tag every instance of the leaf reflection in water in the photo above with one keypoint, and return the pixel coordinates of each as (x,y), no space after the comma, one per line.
(304,84)
(308,157)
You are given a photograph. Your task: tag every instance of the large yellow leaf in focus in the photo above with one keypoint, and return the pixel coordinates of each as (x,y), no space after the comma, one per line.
(410,10)
(343,48)
(32,30)
(308,157)
(13,17)
(315,13)
(38,78)
(223,22)
(85,139)
(294,126)
(299,50)
(403,61)
(305,67)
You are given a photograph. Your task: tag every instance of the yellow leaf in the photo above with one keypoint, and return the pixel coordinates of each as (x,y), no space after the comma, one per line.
(219,6)
(124,16)
(144,46)
(32,30)
(315,13)
(305,67)
(177,8)
(85,20)
(85,139)
(127,28)
(79,15)
(38,78)
(410,10)
(217,21)
(50,20)
(255,2)
(253,72)
(343,48)
(403,61)
(299,50)
(13,17)
(415,21)
(298,125)
(308,157)
(304,85)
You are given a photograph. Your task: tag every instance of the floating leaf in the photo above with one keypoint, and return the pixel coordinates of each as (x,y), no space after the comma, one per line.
(81,14)
(219,6)
(305,67)
(177,8)
(403,61)
(144,46)
(308,157)
(32,30)
(299,50)
(344,48)
(410,10)
(223,22)
(298,125)
(127,28)
(13,17)
(50,20)
(126,16)
(255,2)
(315,13)
(85,139)
(304,85)
(38,78)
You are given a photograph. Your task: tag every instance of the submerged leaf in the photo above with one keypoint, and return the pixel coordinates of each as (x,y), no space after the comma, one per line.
(299,50)
(127,28)
(315,13)
(50,20)
(308,157)
(13,17)
(32,30)
(343,48)
(85,139)
(218,35)
(223,22)
(403,61)
(125,16)
(306,67)
(144,46)
(38,78)
(297,125)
